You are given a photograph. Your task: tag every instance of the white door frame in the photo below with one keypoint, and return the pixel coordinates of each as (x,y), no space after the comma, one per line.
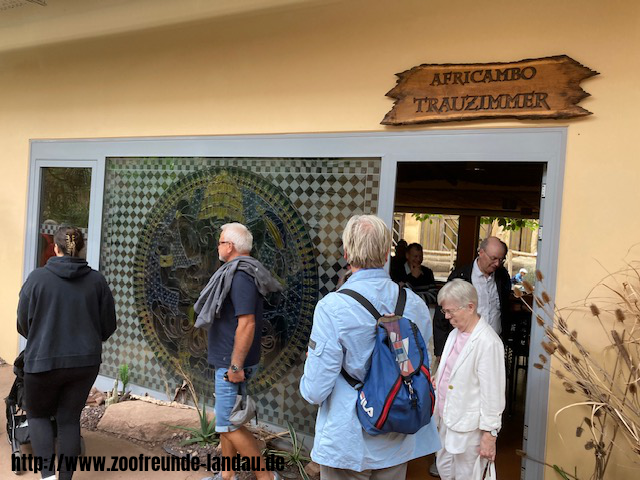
(94,227)
(545,145)
(33,208)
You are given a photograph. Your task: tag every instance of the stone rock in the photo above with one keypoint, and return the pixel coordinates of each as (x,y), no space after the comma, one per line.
(312,469)
(145,421)
(96,397)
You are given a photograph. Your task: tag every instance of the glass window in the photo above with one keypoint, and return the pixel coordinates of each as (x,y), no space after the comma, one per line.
(438,235)
(64,200)
(161,224)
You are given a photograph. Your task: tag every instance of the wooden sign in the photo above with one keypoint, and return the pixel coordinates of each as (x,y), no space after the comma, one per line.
(530,89)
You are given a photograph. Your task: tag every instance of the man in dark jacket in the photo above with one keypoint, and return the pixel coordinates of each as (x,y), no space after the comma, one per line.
(493,284)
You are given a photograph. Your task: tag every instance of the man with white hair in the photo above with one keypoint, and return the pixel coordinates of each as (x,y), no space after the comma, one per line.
(231,307)
(343,336)
(493,284)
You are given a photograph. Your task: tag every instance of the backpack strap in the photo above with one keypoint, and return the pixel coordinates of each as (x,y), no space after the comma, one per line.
(362,301)
(372,310)
(402,301)
(400,304)
(354,382)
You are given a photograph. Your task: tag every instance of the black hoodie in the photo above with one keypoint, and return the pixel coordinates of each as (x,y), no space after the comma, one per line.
(65,312)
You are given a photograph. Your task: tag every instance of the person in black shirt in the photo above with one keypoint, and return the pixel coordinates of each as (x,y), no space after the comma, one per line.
(66,310)
(397,262)
(417,276)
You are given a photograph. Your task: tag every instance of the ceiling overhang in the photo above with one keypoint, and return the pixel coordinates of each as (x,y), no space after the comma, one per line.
(31,23)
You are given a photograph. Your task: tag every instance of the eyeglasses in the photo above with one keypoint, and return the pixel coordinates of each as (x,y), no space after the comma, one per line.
(450,311)
(222,243)
(493,259)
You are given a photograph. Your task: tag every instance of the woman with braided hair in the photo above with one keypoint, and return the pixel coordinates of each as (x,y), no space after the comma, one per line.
(66,310)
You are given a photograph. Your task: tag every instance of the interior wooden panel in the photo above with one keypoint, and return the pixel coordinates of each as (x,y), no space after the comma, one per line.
(470,188)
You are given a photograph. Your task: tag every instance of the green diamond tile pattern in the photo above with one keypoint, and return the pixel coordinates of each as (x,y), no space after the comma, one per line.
(324,192)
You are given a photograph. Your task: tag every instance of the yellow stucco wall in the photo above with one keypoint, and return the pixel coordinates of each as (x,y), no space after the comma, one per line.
(325,68)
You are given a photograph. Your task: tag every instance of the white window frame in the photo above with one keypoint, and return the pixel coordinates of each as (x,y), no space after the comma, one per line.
(33,208)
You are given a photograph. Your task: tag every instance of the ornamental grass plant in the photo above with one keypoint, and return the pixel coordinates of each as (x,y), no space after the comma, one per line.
(293,456)
(604,381)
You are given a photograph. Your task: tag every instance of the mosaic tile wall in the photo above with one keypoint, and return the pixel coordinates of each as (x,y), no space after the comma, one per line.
(323,192)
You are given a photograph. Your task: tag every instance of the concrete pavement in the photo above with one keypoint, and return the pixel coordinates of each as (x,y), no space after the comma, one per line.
(102,444)
(96,444)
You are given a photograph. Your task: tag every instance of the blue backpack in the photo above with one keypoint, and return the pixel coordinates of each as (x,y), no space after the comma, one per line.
(397,394)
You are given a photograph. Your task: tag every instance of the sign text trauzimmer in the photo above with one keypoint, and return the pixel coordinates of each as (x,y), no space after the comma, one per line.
(539,88)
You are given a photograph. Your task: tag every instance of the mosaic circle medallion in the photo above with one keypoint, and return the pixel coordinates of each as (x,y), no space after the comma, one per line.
(177,254)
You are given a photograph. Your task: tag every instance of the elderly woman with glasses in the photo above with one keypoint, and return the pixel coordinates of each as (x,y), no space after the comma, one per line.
(470,384)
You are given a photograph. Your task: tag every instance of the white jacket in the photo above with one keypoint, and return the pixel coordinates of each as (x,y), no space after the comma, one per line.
(476,392)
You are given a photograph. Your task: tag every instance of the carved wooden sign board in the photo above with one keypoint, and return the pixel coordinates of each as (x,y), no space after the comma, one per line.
(529,89)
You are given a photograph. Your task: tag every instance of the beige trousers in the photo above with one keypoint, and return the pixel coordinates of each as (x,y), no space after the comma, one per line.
(399,472)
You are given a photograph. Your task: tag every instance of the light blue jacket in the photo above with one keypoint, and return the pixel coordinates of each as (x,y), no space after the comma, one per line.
(343,334)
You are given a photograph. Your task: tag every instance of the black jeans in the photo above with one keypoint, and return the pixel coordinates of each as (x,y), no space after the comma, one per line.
(60,393)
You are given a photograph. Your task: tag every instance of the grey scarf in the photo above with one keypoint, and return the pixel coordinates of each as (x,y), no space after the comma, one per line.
(213,295)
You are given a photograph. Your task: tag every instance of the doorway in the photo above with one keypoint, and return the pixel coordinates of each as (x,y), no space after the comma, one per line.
(448,208)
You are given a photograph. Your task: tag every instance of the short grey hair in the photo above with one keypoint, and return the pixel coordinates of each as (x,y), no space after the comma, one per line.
(460,292)
(367,241)
(239,235)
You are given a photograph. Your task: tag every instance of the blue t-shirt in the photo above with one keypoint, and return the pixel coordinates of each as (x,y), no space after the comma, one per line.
(243,299)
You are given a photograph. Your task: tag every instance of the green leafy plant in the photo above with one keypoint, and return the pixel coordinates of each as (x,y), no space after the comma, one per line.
(295,456)
(559,470)
(114,396)
(421,217)
(564,475)
(511,223)
(204,435)
(123,374)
